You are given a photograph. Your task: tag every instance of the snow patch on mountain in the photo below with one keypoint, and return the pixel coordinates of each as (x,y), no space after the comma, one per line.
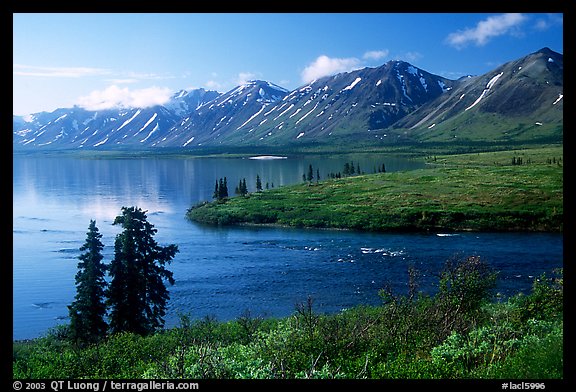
(156,127)
(306,115)
(351,86)
(129,120)
(560,96)
(443,86)
(147,123)
(188,141)
(100,143)
(253,116)
(489,85)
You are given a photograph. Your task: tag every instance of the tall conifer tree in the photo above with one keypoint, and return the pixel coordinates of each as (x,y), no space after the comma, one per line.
(88,310)
(137,294)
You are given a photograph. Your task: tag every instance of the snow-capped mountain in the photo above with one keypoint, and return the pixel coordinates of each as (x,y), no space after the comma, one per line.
(394,102)
(342,105)
(521,99)
(213,121)
(125,127)
(186,101)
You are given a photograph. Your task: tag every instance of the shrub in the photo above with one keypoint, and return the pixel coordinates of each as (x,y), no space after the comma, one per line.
(547,297)
(464,286)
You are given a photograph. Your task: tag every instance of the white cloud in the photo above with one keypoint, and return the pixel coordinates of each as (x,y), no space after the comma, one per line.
(122,81)
(375,54)
(57,72)
(243,77)
(213,85)
(409,57)
(324,66)
(114,97)
(485,30)
(548,21)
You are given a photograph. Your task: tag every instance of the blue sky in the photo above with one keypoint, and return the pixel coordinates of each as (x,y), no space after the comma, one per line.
(102,60)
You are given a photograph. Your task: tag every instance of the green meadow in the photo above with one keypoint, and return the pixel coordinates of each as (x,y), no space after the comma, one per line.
(519,190)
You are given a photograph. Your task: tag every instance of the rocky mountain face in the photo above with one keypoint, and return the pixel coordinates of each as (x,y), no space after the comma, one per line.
(394,102)
(521,100)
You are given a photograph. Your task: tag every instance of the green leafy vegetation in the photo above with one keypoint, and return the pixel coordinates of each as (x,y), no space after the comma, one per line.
(461,332)
(471,192)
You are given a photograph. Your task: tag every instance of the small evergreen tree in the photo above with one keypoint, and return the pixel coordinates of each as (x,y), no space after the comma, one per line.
(223,191)
(88,310)
(346,171)
(216,194)
(258,183)
(241,189)
(244,188)
(310,176)
(137,295)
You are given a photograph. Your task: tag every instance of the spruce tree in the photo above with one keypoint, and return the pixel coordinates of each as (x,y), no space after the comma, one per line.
(258,183)
(221,189)
(137,295)
(225,190)
(88,310)
(241,188)
(244,188)
(216,194)
(346,169)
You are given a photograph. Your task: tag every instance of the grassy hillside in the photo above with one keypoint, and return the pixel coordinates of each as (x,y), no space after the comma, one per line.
(518,190)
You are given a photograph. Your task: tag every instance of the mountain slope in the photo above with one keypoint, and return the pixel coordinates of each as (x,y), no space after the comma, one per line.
(343,106)
(215,121)
(519,100)
(111,128)
(397,102)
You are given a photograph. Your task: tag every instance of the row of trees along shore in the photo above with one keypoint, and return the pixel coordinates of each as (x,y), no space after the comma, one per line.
(350,169)
(134,300)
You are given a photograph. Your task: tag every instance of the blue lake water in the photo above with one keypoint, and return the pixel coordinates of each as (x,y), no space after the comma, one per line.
(224,272)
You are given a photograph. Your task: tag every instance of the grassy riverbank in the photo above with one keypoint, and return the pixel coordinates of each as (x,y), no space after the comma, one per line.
(459,333)
(519,190)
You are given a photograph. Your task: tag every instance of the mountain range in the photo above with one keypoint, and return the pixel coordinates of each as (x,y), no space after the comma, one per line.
(520,101)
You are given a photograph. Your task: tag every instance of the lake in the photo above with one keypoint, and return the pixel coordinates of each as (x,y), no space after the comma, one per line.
(224,272)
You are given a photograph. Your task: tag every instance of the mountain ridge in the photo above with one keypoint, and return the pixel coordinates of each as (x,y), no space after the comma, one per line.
(381,105)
